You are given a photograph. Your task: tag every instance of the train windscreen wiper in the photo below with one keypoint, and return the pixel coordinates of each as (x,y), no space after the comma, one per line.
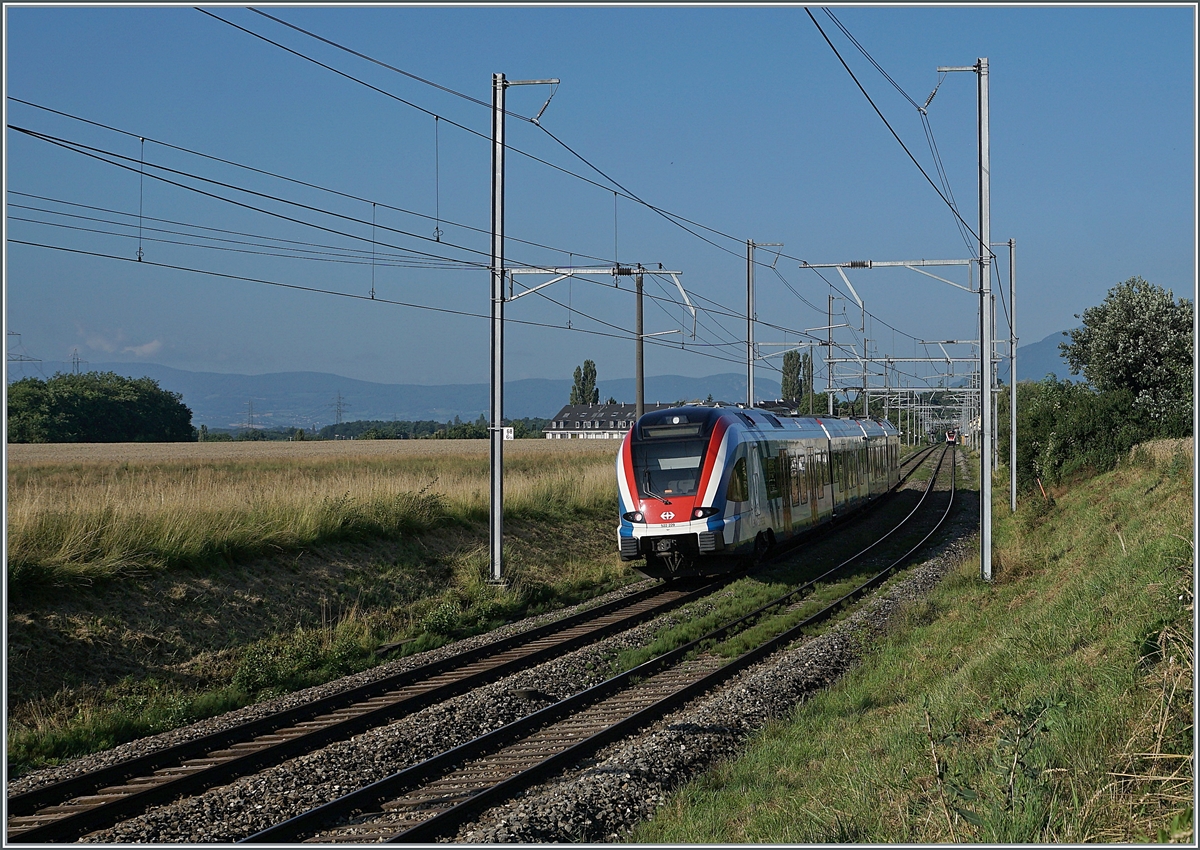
(646,489)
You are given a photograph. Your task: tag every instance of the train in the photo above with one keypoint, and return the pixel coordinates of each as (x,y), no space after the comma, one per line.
(952,437)
(707,489)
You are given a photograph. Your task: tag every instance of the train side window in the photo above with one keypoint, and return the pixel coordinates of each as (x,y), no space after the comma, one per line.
(739,483)
(771,475)
(799,484)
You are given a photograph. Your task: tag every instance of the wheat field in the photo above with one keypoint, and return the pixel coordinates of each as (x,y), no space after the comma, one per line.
(103,508)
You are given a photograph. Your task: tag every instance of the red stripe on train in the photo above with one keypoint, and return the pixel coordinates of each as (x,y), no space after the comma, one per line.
(710,457)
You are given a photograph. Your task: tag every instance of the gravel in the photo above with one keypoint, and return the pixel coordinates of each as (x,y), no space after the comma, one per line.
(627,782)
(253,803)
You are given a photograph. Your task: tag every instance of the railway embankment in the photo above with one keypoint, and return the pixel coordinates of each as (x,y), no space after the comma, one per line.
(1053,705)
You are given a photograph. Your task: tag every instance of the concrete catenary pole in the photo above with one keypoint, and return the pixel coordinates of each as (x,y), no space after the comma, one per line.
(639,369)
(749,323)
(984,440)
(829,357)
(750,317)
(495,431)
(1012,376)
(992,370)
(986,343)
(865,389)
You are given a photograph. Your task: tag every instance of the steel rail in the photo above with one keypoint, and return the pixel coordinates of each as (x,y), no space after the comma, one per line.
(370,797)
(71,808)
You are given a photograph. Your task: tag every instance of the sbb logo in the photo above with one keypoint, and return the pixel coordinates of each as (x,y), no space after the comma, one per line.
(667,515)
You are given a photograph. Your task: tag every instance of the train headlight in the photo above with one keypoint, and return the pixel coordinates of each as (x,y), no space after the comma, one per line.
(633,516)
(701,513)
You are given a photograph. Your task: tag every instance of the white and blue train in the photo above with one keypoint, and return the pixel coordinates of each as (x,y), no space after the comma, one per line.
(701,488)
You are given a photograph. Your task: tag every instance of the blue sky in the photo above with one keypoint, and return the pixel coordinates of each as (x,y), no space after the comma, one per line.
(740,119)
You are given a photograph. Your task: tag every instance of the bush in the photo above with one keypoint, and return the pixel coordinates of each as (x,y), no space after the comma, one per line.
(1064,428)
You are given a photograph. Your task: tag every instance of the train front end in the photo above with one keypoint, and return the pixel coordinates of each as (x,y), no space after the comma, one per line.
(669,482)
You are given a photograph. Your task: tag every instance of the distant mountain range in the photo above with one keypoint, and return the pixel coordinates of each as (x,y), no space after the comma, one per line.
(311,399)
(1038,359)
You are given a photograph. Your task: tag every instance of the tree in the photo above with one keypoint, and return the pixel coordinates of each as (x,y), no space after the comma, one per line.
(790,387)
(1139,339)
(806,373)
(96,407)
(584,391)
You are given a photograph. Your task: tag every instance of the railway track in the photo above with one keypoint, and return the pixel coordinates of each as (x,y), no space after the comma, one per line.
(428,800)
(71,808)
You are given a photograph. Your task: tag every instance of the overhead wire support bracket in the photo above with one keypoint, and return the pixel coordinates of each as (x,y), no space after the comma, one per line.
(562,273)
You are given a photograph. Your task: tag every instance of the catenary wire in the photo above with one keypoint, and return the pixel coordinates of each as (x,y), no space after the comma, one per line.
(344,260)
(626,336)
(673,217)
(628,194)
(298,182)
(460,264)
(889,126)
(334,250)
(94,153)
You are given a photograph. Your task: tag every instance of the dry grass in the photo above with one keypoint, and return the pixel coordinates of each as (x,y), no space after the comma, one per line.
(1163,451)
(93,510)
(53,454)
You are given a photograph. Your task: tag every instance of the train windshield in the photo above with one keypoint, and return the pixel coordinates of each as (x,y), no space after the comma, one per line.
(668,468)
(668,450)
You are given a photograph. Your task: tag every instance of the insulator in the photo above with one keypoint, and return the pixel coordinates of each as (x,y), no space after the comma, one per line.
(860,264)
(624,271)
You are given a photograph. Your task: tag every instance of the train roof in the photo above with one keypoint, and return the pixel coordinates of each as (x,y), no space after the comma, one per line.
(768,422)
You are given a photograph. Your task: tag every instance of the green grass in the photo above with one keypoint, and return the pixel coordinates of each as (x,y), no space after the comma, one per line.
(1053,705)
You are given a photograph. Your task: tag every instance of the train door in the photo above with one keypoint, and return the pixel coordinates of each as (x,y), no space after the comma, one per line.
(811,482)
(756,485)
(785,487)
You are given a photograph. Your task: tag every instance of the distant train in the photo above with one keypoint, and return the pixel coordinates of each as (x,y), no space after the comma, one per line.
(952,437)
(701,488)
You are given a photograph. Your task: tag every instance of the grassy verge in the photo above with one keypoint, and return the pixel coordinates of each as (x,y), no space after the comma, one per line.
(1054,705)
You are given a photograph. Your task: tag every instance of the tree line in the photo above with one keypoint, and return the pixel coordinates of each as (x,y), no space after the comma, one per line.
(96,407)
(428,429)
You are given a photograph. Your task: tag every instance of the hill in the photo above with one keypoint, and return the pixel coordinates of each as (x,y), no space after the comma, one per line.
(1038,359)
(310,399)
